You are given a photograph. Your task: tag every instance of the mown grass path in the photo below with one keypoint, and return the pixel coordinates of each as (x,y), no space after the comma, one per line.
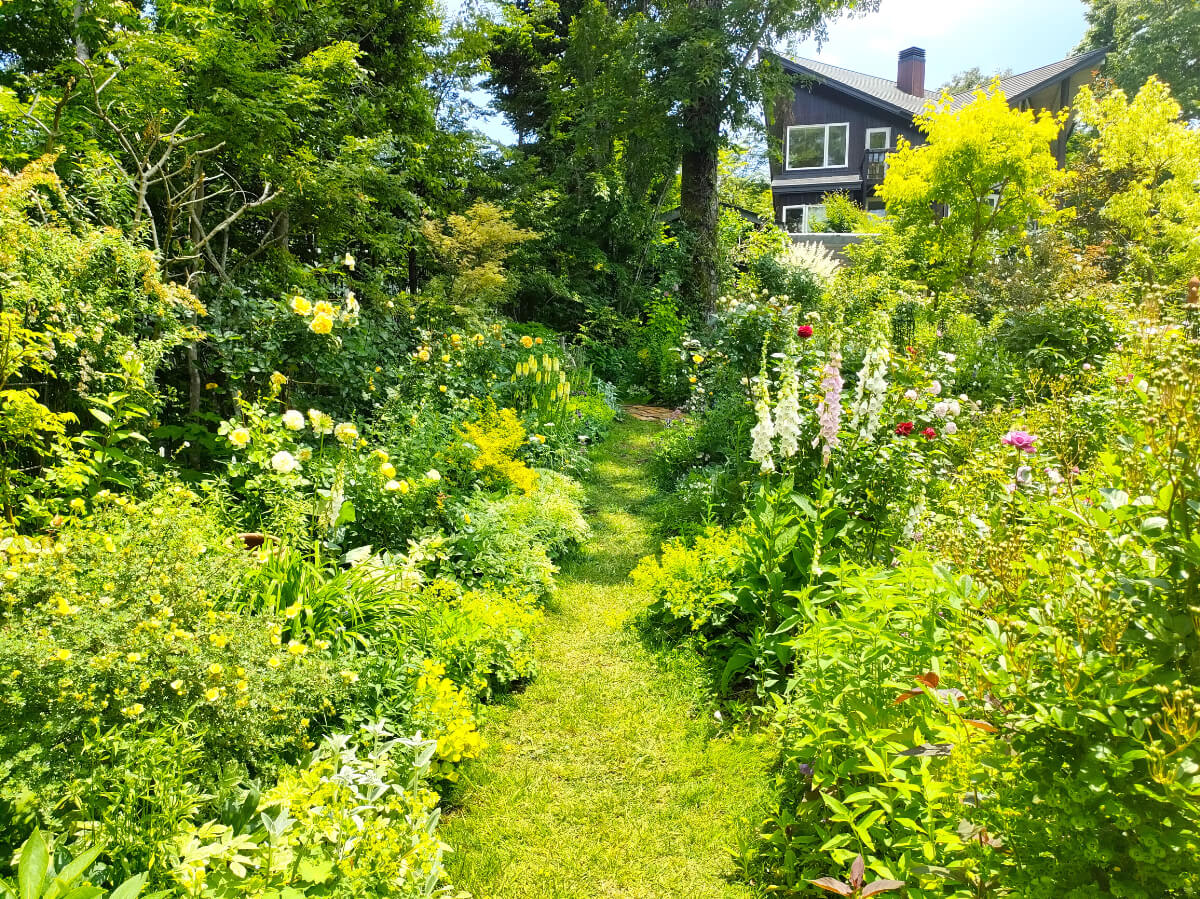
(603,778)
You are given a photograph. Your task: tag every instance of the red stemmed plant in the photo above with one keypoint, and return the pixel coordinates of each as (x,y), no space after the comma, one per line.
(856,887)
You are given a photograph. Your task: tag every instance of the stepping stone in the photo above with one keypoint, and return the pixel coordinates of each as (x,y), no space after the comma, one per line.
(653,413)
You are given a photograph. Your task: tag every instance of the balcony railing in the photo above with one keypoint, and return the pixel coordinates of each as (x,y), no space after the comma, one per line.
(874,166)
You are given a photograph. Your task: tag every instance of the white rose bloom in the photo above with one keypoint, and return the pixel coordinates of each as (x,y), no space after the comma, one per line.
(293,420)
(950,428)
(433,475)
(936,388)
(391,486)
(910,395)
(284,462)
(955,408)
(941,409)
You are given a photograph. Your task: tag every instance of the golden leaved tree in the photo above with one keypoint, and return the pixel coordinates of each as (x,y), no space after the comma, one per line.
(986,172)
(471,250)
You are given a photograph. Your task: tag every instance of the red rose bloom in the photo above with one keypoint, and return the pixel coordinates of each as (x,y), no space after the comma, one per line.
(904,428)
(804,331)
(929,433)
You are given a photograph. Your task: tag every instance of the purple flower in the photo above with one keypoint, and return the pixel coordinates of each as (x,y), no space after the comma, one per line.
(1021,440)
(805,770)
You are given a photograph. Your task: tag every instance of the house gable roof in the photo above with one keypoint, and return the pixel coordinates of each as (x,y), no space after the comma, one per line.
(883,92)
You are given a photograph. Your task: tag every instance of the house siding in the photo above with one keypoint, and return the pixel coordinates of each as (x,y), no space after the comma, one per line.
(817,104)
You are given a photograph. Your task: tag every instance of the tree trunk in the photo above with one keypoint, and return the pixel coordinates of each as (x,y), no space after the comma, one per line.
(82,53)
(698,206)
(699,213)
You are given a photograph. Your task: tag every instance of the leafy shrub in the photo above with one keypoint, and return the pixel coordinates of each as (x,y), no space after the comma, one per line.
(114,641)
(489,447)
(482,637)
(690,583)
(844,216)
(355,821)
(656,349)
(1060,336)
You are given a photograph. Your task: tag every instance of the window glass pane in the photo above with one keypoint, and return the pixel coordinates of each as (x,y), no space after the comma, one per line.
(806,147)
(877,140)
(793,219)
(816,214)
(838,140)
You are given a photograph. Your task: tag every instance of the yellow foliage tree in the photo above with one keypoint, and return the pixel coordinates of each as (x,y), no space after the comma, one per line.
(472,250)
(986,171)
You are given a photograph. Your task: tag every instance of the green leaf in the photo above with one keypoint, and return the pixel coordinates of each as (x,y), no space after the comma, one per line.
(71,873)
(103,417)
(130,888)
(35,859)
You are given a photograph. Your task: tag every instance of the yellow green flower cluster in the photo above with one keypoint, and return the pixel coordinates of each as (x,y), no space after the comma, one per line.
(447,711)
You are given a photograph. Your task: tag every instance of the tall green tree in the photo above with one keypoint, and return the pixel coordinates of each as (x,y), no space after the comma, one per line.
(969,79)
(1149,37)
(710,70)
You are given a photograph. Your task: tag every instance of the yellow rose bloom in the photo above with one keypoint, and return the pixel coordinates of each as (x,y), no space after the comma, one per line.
(321,324)
(239,437)
(323,307)
(301,305)
(527,341)
(388,470)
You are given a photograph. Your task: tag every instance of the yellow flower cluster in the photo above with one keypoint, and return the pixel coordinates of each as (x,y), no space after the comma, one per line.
(322,314)
(446,709)
(497,437)
(543,386)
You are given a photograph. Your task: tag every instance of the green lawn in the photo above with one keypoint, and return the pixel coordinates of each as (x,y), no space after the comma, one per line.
(605,778)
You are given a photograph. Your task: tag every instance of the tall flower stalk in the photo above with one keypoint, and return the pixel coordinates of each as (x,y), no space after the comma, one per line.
(787,407)
(872,385)
(764,428)
(829,410)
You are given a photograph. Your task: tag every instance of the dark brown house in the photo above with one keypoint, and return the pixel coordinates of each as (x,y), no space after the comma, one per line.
(840,125)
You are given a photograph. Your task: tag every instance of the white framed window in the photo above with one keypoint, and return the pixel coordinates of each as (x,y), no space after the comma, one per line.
(879,138)
(817,146)
(875,207)
(802,219)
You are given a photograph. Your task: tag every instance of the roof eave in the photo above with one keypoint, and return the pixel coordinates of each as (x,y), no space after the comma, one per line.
(797,69)
(1089,59)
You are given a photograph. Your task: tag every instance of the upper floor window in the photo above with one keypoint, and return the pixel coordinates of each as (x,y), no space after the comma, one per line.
(818,146)
(879,138)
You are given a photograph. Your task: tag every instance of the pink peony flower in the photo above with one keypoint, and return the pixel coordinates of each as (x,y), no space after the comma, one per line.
(929,433)
(1021,440)
(805,331)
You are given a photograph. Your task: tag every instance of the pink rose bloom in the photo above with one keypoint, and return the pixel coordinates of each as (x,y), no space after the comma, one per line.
(1021,440)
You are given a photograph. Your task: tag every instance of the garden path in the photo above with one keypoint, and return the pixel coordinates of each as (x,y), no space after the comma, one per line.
(604,778)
